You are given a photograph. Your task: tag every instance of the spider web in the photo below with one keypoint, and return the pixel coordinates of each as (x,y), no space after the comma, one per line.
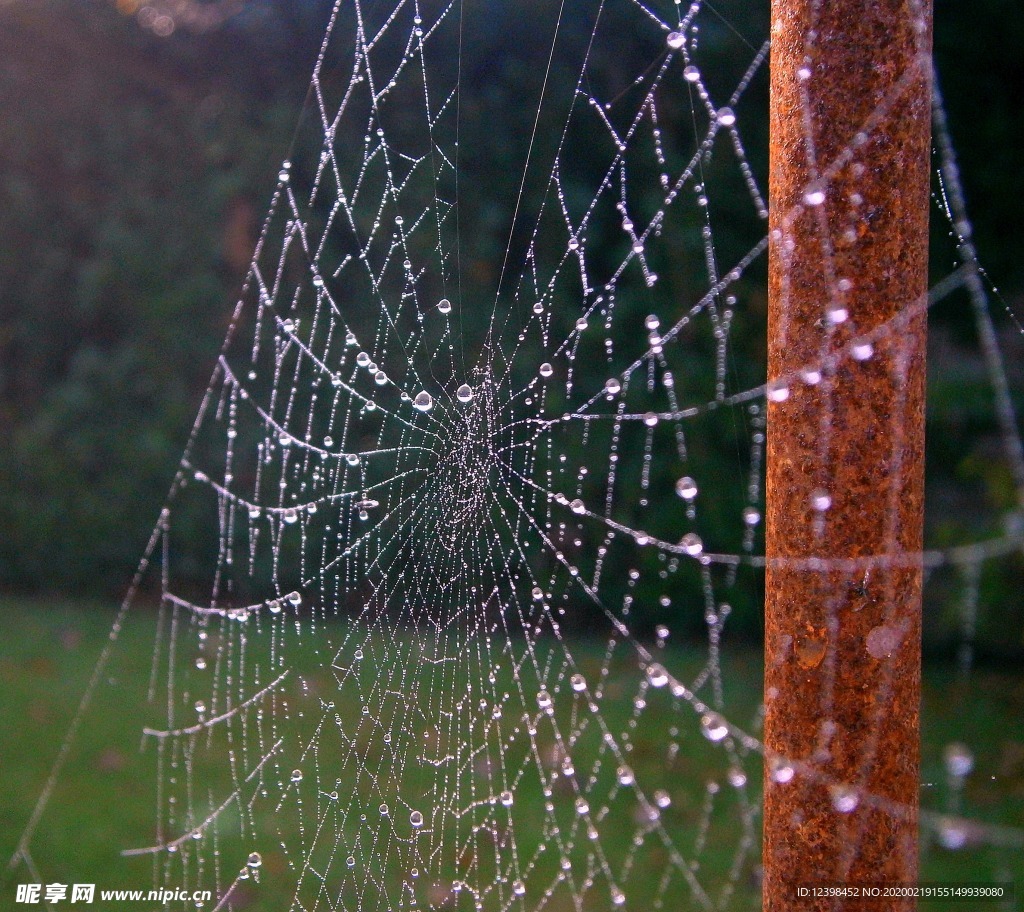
(414,678)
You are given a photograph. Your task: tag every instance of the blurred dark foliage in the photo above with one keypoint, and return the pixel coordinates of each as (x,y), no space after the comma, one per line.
(134,171)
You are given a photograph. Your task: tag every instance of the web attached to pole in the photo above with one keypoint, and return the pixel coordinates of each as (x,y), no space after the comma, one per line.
(468,498)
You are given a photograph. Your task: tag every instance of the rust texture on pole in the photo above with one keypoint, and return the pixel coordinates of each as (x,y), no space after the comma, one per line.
(849,194)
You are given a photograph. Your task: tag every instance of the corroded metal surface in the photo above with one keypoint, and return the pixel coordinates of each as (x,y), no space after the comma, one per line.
(850,134)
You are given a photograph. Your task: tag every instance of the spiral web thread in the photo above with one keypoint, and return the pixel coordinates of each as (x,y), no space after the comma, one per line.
(414,679)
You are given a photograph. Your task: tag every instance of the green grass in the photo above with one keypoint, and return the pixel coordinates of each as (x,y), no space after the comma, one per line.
(105,799)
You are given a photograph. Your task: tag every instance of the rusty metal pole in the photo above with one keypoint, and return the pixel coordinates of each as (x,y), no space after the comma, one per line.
(849,188)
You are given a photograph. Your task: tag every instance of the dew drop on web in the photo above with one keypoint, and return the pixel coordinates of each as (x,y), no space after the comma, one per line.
(713,726)
(686,488)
